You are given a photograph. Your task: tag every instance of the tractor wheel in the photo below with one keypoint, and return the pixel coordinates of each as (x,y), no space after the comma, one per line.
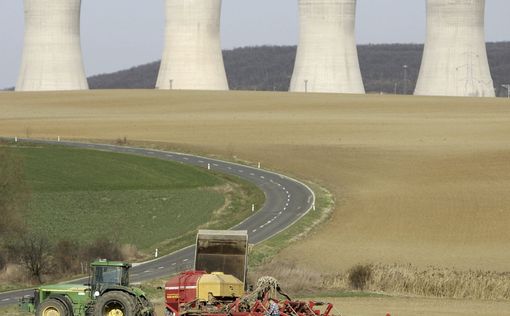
(51,307)
(115,304)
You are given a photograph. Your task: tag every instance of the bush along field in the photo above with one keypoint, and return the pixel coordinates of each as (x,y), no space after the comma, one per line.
(81,204)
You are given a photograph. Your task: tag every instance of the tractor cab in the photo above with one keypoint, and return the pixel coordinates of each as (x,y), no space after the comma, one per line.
(106,274)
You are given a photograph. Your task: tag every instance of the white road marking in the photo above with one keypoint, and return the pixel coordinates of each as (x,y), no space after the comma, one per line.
(146,271)
(261,226)
(286,204)
(279,184)
(253,231)
(284,189)
(252,174)
(262,177)
(281,212)
(185,260)
(215,164)
(288,200)
(174,263)
(229,168)
(241,171)
(5,299)
(161,268)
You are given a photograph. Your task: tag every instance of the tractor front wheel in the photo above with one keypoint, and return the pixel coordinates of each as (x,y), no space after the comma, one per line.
(115,304)
(51,307)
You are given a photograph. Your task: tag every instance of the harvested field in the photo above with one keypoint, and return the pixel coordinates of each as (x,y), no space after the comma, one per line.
(418,306)
(417,180)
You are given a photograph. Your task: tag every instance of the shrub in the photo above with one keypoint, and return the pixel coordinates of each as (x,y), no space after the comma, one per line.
(359,276)
(67,257)
(103,248)
(121,141)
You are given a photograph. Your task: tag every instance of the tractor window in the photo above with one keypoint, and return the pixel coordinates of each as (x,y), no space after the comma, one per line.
(111,275)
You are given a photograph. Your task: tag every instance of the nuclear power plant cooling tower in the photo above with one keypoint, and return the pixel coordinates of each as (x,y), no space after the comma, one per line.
(455,58)
(192,58)
(327,57)
(52,52)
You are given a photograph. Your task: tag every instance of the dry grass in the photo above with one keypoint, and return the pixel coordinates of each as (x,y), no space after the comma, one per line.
(415,180)
(396,280)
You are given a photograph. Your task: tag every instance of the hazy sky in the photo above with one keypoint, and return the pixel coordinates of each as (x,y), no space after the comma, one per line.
(117,34)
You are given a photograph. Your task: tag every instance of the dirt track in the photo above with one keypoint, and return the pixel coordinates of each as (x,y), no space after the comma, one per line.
(416,180)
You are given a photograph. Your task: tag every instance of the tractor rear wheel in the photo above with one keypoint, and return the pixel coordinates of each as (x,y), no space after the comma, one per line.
(115,303)
(51,307)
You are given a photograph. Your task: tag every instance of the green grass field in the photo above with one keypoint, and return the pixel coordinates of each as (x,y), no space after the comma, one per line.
(83,195)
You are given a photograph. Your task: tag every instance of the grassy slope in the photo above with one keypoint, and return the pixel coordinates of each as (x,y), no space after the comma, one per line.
(419,180)
(84,194)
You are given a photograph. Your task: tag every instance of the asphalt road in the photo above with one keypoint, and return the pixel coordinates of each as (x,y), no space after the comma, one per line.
(287,200)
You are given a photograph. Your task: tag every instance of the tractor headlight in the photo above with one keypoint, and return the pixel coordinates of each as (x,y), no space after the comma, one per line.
(96,294)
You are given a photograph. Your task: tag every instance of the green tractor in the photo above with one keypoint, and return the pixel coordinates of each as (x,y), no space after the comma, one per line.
(107,294)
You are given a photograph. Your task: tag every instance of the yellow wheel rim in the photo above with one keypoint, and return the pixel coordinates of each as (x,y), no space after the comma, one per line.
(111,312)
(51,311)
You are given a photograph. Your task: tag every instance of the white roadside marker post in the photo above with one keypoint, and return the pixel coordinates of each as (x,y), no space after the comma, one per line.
(15,139)
(156,253)
(253,207)
(259,165)
(58,139)
(208,166)
(313,206)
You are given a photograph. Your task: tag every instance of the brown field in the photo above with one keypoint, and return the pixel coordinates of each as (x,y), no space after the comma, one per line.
(418,306)
(416,180)
(399,306)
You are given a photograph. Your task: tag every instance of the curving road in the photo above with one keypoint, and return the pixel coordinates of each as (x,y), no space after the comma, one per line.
(287,200)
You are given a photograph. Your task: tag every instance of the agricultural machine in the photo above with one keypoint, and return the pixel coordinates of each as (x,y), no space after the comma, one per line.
(107,294)
(217,285)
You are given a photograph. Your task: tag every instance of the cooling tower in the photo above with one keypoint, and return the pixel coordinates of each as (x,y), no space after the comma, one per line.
(192,58)
(455,58)
(52,52)
(327,57)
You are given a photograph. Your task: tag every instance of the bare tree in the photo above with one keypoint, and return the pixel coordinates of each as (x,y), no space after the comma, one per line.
(33,252)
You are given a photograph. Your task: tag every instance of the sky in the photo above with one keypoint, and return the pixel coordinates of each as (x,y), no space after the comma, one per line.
(119,34)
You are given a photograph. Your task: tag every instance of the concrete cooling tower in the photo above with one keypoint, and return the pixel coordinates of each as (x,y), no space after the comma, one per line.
(192,58)
(327,57)
(455,58)
(52,53)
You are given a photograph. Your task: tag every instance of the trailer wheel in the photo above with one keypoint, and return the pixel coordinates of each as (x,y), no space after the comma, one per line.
(115,304)
(51,307)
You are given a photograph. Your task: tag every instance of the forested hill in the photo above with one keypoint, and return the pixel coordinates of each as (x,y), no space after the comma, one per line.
(270,68)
